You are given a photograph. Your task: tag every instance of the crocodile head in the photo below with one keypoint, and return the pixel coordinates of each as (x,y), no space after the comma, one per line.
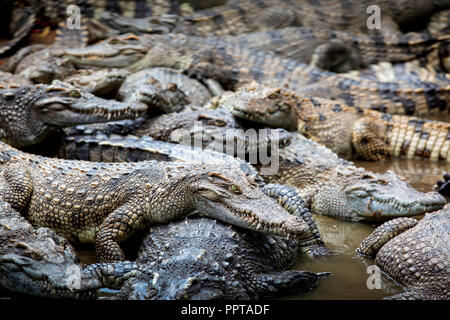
(44,68)
(36,277)
(101,82)
(229,195)
(357,194)
(38,261)
(167,98)
(115,52)
(33,112)
(134,52)
(259,103)
(214,129)
(165,285)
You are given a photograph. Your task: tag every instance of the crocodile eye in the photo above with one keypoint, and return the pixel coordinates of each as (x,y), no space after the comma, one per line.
(234,189)
(75,94)
(172,87)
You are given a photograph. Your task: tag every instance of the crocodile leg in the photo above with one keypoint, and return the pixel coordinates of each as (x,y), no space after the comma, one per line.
(16,184)
(118,226)
(369,140)
(384,233)
(289,199)
(112,274)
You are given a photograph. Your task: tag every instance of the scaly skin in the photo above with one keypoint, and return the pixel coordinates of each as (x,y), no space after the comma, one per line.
(39,262)
(79,145)
(208,129)
(335,187)
(163,96)
(338,51)
(414,71)
(203,259)
(106,202)
(36,62)
(329,185)
(243,16)
(415,254)
(102,82)
(195,91)
(113,148)
(350,132)
(234,66)
(102,18)
(353,16)
(29,114)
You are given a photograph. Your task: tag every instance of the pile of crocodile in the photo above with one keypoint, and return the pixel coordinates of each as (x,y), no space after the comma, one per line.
(192,144)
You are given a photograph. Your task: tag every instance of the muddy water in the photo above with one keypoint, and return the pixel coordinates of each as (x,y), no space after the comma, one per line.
(350,277)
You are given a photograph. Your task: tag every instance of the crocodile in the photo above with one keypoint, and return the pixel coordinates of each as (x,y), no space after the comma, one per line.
(30,113)
(339,51)
(165,97)
(329,185)
(28,13)
(195,91)
(336,187)
(215,130)
(234,66)
(106,202)
(415,71)
(115,148)
(39,262)
(101,82)
(159,96)
(182,261)
(415,254)
(351,132)
(353,16)
(243,16)
(36,62)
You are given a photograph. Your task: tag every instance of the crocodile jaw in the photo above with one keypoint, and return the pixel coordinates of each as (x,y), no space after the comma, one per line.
(373,197)
(262,214)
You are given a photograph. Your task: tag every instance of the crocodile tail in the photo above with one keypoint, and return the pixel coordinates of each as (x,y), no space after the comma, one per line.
(381,235)
(72,35)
